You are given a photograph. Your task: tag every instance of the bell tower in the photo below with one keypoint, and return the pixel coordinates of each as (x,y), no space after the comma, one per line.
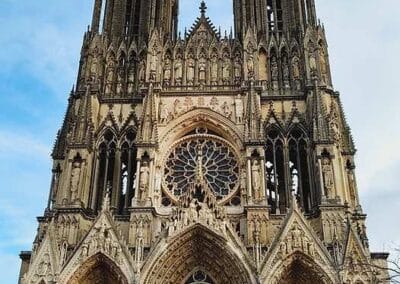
(273,17)
(202,157)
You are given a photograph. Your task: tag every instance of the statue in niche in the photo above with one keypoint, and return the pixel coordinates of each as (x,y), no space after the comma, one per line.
(163,112)
(256,179)
(190,70)
(178,70)
(214,69)
(109,80)
(157,184)
(250,66)
(75,177)
(144,180)
(167,71)
(226,69)
(131,79)
(327,174)
(243,186)
(94,68)
(313,61)
(120,80)
(274,69)
(142,72)
(226,110)
(352,186)
(154,61)
(322,63)
(202,68)
(296,72)
(238,68)
(44,267)
(285,72)
(239,109)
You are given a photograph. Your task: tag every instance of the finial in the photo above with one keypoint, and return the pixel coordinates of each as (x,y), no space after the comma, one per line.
(203,8)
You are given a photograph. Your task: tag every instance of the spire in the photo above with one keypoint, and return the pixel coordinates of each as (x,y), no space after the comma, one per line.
(203,8)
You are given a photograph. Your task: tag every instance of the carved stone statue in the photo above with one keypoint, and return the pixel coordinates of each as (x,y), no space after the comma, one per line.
(202,69)
(144,180)
(214,69)
(226,69)
(109,80)
(250,65)
(239,109)
(256,179)
(327,174)
(226,110)
(167,71)
(120,82)
(178,70)
(177,108)
(274,69)
(190,70)
(131,79)
(142,72)
(243,186)
(163,112)
(75,176)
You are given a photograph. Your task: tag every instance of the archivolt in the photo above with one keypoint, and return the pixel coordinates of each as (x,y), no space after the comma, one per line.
(197,247)
(98,268)
(201,117)
(298,268)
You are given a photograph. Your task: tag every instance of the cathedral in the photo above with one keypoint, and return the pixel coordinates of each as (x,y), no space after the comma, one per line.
(203,156)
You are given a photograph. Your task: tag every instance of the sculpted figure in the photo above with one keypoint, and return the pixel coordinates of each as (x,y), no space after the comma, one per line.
(144,180)
(131,79)
(163,112)
(226,110)
(167,71)
(75,175)
(202,69)
(256,179)
(178,70)
(327,174)
(214,69)
(190,70)
(142,72)
(274,69)
(226,69)
(250,65)
(239,109)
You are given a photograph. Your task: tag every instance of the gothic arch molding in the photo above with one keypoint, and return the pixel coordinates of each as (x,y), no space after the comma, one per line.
(98,268)
(299,268)
(197,247)
(201,117)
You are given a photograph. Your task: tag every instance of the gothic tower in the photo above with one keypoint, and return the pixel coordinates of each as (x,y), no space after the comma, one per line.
(203,158)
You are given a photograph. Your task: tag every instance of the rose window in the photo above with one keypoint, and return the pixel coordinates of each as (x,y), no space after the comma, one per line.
(205,157)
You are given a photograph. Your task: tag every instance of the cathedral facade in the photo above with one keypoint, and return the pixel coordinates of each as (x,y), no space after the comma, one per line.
(203,157)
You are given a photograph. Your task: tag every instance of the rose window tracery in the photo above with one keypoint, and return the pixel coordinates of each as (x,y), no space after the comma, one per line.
(205,157)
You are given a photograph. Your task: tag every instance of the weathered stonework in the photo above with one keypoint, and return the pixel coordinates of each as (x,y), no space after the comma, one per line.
(203,158)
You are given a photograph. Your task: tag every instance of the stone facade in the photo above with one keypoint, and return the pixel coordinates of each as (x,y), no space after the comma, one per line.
(202,157)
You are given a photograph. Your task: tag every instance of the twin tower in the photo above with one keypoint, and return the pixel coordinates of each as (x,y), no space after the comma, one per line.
(203,157)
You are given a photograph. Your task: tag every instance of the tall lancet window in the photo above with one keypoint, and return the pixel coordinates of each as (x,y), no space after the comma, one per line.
(105,167)
(274,16)
(127,172)
(299,167)
(287,170)
(275,171)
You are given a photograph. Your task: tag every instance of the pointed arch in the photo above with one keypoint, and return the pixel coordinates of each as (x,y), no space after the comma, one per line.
(197,247)
(98,268)
(299,268)
(201,117)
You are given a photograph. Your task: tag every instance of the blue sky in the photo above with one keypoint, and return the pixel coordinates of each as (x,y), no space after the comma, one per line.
(40,44)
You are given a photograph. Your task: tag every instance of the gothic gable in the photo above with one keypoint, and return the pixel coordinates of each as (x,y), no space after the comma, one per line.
(101,239)
(295,241)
